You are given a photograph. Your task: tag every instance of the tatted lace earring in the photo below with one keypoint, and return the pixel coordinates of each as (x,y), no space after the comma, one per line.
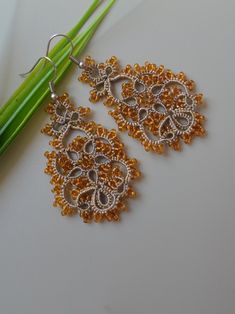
(90,172)
(156,106)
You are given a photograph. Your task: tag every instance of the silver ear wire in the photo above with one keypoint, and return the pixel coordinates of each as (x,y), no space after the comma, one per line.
(79,63)
(71,57)
(46,58)
(51,82)
(60,35)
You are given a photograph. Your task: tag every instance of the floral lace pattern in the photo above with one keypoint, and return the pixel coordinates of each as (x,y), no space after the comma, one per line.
(90,171)
(156,106)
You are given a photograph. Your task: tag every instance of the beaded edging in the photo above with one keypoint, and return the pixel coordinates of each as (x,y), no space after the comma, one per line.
(156,106)
(91,172)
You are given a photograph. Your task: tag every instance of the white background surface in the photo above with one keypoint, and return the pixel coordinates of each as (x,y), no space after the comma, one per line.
(174,252)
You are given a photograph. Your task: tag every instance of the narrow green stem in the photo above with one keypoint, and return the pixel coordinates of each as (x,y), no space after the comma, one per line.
(62,43)
(21,108)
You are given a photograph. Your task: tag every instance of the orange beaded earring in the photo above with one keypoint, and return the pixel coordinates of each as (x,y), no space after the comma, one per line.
(156,106)
(90,171)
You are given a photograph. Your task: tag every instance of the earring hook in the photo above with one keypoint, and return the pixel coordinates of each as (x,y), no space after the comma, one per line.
(71,57)
(51,82)
(60,35)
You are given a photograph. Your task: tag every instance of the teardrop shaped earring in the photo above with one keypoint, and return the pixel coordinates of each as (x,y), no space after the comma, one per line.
(156,106)
(89,168)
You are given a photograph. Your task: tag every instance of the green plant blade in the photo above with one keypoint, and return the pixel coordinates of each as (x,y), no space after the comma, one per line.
(38,78)
(60,45)
(37,90)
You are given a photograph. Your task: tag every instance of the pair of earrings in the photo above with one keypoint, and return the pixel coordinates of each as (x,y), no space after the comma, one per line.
(91,173)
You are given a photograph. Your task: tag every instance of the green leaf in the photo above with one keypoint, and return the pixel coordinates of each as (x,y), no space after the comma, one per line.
(56,49)
(30,95)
